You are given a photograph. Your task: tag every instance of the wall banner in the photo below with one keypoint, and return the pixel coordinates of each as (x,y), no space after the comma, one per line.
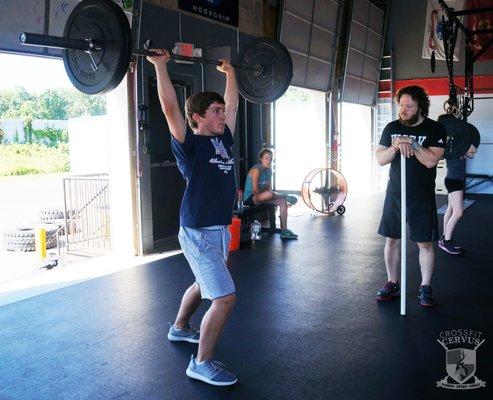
(433,35)
(219,10)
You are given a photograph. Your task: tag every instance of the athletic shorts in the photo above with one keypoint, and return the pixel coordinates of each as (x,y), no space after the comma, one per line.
(249,201)
(421,218)
(454,185)
(206,250)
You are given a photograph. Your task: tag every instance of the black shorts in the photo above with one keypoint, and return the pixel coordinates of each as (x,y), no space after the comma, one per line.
(454,185)
(249,201)
(421,218)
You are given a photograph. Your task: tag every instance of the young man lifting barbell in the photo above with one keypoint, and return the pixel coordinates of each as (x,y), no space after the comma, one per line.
(204,157)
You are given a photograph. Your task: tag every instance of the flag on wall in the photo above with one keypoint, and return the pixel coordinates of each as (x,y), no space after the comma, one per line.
(433,37)
(478,21)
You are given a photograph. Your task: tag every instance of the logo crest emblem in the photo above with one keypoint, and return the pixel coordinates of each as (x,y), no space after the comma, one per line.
(460,364)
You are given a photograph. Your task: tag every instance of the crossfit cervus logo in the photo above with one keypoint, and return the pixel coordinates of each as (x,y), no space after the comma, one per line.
(460,362)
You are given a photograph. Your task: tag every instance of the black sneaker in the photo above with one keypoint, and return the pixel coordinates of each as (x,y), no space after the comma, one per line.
(448,246)
(425,296)
(389,291)
(442,239)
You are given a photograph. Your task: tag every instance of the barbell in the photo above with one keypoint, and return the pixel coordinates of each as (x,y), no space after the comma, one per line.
(97,50)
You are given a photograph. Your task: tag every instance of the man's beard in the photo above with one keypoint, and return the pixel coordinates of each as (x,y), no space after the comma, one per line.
(411,121)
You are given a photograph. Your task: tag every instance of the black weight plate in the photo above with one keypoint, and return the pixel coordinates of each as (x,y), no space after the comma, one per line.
(276,72)
(104,22)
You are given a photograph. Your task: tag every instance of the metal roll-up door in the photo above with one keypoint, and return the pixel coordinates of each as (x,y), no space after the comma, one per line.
(309,31)
(364,53)
(47,17)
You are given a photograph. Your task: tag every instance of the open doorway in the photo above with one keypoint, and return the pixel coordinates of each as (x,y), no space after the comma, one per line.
(299,136)
(356,147)
(52,137)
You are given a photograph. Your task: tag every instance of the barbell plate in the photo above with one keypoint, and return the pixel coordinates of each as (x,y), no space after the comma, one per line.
(104,22)
(458,136)
(266,71)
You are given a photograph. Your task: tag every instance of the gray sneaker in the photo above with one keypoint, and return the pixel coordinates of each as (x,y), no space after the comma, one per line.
(291,199)
(287,234)
(187,334)
(211,372)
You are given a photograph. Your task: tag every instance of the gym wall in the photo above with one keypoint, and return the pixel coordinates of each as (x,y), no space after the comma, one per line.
(406,29)
(250,14)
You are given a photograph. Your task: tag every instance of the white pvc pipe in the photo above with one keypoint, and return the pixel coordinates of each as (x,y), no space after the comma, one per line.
(403,235)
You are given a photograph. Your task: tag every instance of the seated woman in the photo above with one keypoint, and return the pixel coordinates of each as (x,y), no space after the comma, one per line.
(258,191)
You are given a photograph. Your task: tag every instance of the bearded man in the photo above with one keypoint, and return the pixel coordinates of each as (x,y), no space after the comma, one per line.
(422,141)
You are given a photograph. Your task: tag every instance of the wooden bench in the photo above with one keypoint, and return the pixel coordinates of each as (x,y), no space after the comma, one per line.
(261,213)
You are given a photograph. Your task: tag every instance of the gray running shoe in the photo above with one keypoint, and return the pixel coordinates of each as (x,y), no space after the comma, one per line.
(211,372)
(287,234)
(187,334)
(291,199)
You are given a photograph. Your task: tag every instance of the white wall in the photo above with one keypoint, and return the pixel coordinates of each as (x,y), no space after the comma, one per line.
(11,126)
(88,145)
(50,123)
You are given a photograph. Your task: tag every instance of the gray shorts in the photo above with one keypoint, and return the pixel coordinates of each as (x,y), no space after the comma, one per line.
(206,250)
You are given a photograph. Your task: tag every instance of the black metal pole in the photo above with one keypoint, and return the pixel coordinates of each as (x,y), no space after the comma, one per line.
(145,53)
(56,42)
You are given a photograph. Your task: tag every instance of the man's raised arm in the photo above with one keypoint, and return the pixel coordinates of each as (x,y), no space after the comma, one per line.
(231,96)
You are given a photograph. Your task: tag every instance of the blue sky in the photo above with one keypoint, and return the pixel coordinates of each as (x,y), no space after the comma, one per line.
(33,73)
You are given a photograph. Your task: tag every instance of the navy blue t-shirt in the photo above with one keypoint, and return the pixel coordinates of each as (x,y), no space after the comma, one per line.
(420,180)
(207,164)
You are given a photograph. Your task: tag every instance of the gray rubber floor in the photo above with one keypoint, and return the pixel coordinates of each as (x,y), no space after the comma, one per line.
(306,324)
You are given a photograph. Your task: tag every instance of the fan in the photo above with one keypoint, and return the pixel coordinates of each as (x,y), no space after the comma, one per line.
(325,190)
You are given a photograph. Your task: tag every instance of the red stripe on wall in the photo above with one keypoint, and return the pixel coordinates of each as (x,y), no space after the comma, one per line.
(439,86)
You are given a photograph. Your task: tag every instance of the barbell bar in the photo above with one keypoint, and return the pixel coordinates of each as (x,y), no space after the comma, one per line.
(89,46)
(97,49)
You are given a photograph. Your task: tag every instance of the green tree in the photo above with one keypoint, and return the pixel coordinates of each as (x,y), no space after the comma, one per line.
(50,137)
(81,104)
(11,102)
(52,104)
(28,130)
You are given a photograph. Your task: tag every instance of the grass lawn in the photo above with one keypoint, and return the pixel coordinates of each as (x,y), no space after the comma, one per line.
(22,159)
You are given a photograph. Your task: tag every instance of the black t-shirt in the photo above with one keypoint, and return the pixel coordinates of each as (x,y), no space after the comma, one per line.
(420,180)
(207,164)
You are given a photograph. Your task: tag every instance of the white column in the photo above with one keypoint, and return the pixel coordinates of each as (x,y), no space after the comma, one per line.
(124,224)
(403,235)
